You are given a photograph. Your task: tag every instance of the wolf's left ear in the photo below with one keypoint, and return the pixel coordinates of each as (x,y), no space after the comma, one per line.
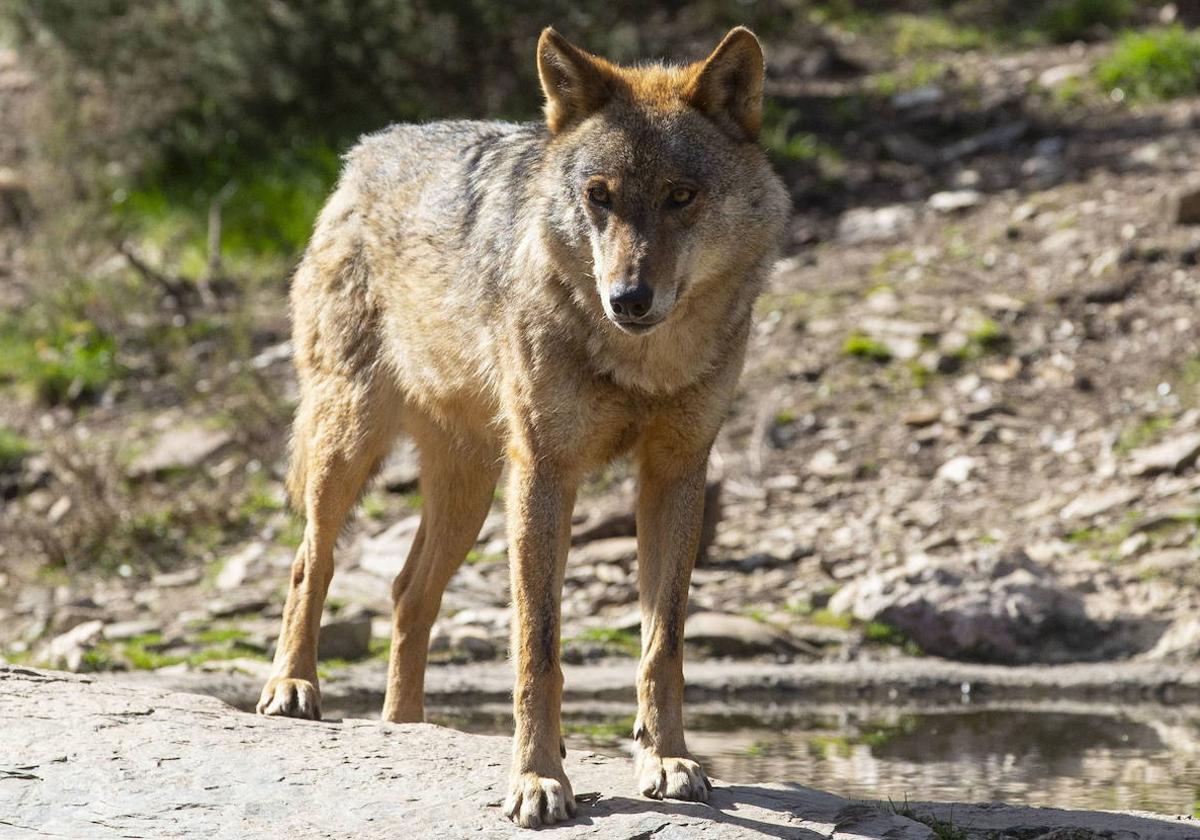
(575,83)
(729,85)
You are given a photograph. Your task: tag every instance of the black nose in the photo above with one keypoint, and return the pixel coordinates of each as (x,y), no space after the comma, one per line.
(630,301)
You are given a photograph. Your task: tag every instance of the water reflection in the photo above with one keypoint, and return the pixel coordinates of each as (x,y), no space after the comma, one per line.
(1129,758)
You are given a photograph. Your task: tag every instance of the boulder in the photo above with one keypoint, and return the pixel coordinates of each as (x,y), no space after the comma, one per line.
(726,634)
(1005,610)
(881,224)
(68,649)
(345,637)
(182,448)
(1171,455)
(236,569)
(1095,502)
(953,201)
(386,553)
(1187,207)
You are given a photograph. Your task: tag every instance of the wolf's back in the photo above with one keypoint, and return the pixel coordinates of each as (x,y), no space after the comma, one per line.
(462,177)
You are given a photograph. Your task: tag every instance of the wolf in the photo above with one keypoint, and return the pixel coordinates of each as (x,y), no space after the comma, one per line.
(549,295)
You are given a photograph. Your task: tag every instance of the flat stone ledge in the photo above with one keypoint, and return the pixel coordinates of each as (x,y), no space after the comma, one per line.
(98,759)
(921,680)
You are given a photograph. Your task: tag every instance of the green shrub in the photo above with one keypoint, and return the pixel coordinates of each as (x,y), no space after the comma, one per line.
(269,210)
(932,33)
(1158,64)
(1070,20)
(71,362)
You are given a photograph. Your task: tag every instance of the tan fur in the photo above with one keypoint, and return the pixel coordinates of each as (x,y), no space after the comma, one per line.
(457,289)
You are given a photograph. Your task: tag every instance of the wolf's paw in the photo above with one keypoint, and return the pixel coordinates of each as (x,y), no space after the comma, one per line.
(671,778)
(287,697)
(534,800)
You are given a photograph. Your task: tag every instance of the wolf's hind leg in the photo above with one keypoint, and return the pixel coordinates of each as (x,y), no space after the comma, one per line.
(343,430)
(458,478)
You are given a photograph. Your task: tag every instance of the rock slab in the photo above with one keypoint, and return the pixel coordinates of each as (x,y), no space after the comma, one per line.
(1006,610)
(101,759)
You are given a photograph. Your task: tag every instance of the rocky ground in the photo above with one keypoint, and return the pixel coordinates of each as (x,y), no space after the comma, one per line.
(968,426)
(163,764)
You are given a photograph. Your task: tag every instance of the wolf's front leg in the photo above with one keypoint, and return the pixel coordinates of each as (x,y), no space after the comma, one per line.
(669,515)
(541,497)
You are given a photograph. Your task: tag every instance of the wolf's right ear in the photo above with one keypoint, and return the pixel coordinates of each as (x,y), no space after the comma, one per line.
(576,83)
(729,85)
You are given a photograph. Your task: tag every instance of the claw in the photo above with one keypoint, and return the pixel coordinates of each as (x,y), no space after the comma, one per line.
(534,801)
(287,697)
(671,778)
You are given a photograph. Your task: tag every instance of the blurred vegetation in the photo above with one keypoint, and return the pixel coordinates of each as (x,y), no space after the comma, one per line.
(1153,65)
(13,449)
(164,107)
(65,361)
(1069,20)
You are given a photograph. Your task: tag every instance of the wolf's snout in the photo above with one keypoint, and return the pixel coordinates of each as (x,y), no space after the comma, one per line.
(631,301)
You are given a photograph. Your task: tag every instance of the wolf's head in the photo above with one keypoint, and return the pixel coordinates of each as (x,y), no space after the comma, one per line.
(661,190)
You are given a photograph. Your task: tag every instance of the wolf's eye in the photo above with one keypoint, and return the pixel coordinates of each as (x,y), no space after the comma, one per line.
(599,195)
(681,197)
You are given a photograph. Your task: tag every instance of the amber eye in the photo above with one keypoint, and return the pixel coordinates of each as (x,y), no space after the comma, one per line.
(599,195)
(681,196)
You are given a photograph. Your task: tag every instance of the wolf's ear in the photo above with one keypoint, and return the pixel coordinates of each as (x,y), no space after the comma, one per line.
(575,83)
(729,85)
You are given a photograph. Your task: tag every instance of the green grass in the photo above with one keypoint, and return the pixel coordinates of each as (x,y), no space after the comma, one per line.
(72,361)
(861,346)
(219,635)
(605,730)
(269,210)
(990,337)
(475,557)
(1104,542)
(17,657)
(919,75)
(756,613)
(292,532)
(873,631)
(1144,433)
(379,648)
(139,653)
(828,618)
(98,659)
(136,651)
(886,634)
(13,449)
(920,373)
(986,338)
(627,642)
(262,498)
(1153,65)
(942,829)
(782,137)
